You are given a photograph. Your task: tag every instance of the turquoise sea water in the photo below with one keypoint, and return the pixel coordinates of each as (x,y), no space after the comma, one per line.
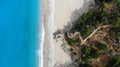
(19,33)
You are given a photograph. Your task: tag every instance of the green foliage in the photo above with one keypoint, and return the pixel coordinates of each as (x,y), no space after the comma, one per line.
(106,39)
(102,46)
(77,41)
(86,17)
(117,24)
(118,34)
(87,50)
(117,2)
(114,62)
(105,4)
(70,41)
(90,53)
(74,53)
(97,16)
(100,2)
(85,21)
(85,59)
(94,54)
(77,61)
(90,21)
(86,32)
(71,49)
(85,65)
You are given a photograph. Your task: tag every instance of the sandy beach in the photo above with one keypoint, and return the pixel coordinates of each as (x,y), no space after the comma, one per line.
(56,14)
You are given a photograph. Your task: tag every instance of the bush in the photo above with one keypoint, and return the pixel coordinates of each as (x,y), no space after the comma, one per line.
(71,49)
(86,32)
(103,1)
(90,53)
(77,61)
(85,65)
(102,46)
(85,59)
(118,34)
(74,53)
(114,62)
(94,54)
(87,50)
(77,41)
(117,24)
(117,2)
(70,41)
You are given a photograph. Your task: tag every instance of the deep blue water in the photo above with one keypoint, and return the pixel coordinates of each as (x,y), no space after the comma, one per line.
(18,33)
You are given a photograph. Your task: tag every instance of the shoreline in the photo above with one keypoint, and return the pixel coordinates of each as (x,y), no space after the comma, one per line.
(41,36)
(41,49)
(46,46)
(56,15)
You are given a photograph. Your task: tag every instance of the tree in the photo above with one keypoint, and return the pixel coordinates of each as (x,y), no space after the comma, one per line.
(94,54)
(102,46)
(118,34)
(118,3)
(114,62)
(69,40)
(71,49)
(103,1)
(117,24)
(90,53)
(74,53)
(85,65)
(87,50)
(86,32)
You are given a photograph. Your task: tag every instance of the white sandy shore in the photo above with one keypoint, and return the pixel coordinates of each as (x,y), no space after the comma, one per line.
(56,14)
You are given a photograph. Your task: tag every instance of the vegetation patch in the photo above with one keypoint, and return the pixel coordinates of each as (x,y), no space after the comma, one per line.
(102,25)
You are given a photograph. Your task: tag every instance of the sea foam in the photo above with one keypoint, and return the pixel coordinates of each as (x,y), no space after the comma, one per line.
(41,43)
(49,5)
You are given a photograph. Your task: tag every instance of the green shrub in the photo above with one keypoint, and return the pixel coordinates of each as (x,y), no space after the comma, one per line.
(70,41)
(118,34)
(117,24)
(74,53)
(94,54)
(85,65)
(86,32)
(87,50)
(117,2)
(77,41)
(77,61)
(90,53)
(71,49)
(102,46)
(113,62)
(85,59)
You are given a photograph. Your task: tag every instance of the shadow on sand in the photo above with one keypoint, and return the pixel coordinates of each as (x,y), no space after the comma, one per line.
(74,17)
(77,13)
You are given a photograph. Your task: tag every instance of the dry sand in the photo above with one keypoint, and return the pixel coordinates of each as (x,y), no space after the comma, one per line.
(56,14)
